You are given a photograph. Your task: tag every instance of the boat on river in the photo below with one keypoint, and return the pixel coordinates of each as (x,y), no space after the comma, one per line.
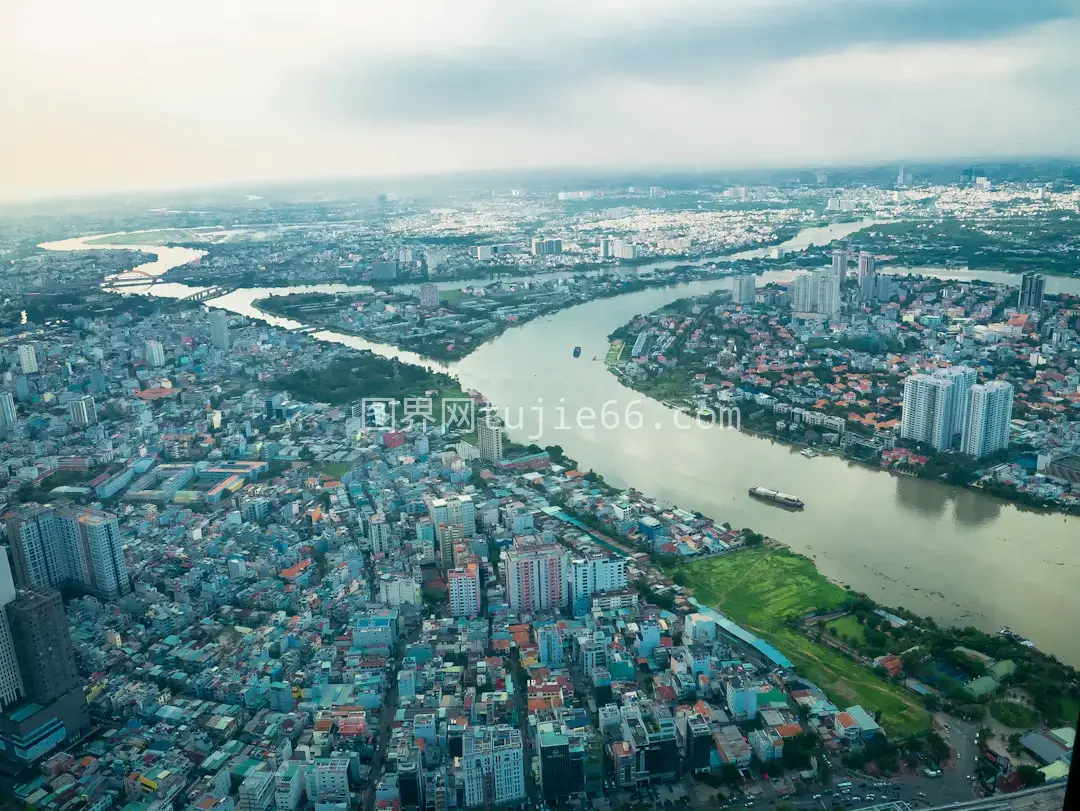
(775,496)
(577,351)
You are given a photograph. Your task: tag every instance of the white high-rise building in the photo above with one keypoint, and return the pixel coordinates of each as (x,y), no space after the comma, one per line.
(379,533)
(745,289)
(867,276)
(606,249)
(489,438)
(987,430)
(839,264)
(493,766)
(219,329)
(8,414)
(536,575)
(11,686)
(596,573)
(155,354)
(935,409)
(621,249)
(68,547)
(816,292)
(83,411)
(28,359)
(328,781)
(257,791)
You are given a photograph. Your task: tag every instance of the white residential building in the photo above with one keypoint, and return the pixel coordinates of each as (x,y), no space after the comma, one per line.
(596,573)
(28,359)
(257,792)
(493,766)
(464,586)
(489,438)
(936,406)
(987,430)
(155,354)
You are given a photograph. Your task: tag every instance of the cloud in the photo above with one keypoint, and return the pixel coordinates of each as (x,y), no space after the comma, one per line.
(535,71)
(121,94)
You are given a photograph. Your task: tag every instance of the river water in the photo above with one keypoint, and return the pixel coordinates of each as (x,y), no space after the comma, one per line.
(954,554)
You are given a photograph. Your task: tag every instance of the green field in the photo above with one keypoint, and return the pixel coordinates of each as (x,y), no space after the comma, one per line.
(848,626)
(450,295)
(761,588)
(333,469)
(1014,715)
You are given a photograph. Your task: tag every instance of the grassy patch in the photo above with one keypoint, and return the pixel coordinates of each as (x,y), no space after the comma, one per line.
(450,295)
(333,469)
(1070,709)
(761,589)
(848,627)
(1013,714)
(763,586)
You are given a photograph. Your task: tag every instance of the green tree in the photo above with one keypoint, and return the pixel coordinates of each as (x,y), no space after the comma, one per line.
(1030,776)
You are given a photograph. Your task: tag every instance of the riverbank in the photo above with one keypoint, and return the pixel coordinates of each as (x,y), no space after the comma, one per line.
(778,594)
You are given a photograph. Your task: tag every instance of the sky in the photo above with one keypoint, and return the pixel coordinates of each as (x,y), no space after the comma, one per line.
(126,94)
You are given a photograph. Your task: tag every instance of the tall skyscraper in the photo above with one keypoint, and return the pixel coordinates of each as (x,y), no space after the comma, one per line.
(745,289)
(867,276)
(839,264)
(1030,298)
(606,249)
(55,548)
(219,329)
(987,430)
(155,354)
(936,406)
(43,645)
(8,415)
(454,519)
(11,685)
(28,359)
(83,411)
(489,436)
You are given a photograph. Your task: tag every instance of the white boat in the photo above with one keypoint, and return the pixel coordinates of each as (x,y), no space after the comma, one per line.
(809,453)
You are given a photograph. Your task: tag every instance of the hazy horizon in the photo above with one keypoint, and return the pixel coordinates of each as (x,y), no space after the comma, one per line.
(117,97)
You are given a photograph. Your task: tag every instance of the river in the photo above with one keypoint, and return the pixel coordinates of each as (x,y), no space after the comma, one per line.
(952,553)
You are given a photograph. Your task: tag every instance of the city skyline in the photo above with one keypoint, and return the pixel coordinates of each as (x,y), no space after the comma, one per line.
(368,91)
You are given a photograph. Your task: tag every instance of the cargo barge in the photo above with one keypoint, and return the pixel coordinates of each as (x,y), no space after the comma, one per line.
(783,499)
